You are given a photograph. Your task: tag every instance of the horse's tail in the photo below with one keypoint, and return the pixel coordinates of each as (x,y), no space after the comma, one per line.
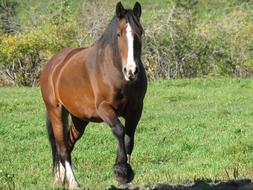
(51,137)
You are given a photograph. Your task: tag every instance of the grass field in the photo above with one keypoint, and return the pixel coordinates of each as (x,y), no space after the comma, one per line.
(190,129)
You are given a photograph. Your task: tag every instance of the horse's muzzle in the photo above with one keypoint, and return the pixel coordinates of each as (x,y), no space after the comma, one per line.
(130,74)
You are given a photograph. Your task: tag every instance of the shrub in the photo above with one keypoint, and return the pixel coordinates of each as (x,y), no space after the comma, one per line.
(22,55)
(231,41)
(182,44)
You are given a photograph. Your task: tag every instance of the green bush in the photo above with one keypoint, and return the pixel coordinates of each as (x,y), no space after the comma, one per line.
(184,43)
(22,55)
(231,40)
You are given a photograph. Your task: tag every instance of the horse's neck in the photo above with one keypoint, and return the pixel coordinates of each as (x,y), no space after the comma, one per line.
(109,57)
(108,62)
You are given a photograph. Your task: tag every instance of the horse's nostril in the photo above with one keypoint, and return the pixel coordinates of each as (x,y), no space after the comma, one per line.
(130,73)
(136,71)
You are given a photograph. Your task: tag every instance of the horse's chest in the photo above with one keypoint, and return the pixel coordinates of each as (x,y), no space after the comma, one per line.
(123,102)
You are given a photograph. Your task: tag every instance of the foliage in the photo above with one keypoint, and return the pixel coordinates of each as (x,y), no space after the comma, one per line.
(183,38)
(23,54)
(20,55)
(8,22)
(230,42)
(185,44)
(183,121)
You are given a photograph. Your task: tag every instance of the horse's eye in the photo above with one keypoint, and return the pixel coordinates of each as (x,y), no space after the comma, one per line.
(118,34)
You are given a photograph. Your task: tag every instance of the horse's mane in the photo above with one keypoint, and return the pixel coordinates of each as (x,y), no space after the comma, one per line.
(110,34)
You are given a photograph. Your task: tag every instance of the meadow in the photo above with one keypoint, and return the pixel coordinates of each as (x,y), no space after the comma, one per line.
(190,129)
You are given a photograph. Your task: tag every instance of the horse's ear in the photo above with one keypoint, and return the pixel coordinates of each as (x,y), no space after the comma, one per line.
(120,11)
(137,9)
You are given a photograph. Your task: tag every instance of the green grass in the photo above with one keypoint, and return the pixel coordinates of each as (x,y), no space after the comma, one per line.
(190,129)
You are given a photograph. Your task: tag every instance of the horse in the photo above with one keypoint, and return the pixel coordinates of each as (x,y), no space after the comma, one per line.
(99,83)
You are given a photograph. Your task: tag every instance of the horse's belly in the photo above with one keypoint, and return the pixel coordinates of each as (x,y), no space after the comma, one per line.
(84,111)
(77,97)
(90,114)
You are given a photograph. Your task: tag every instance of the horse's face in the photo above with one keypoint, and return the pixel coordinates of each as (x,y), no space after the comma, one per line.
(129,40)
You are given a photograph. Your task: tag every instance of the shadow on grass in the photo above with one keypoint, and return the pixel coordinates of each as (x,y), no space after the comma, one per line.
(243,184)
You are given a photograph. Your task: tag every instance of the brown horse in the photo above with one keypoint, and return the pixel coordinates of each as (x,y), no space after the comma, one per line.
(99,83)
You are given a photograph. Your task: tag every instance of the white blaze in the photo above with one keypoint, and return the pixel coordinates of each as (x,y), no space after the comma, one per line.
(131,65)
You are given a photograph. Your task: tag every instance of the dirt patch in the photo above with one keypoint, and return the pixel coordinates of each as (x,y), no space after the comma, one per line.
(243,184)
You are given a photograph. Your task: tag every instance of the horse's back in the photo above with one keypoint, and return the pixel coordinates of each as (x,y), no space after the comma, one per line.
(59,58)
(48,72)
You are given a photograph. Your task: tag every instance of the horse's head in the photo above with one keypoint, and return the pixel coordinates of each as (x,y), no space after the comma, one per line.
(129,34)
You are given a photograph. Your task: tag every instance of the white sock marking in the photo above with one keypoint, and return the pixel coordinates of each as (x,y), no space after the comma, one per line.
(70,176)
(59,173)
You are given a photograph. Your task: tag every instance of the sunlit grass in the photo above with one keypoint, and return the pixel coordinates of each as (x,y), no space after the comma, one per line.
(190,129)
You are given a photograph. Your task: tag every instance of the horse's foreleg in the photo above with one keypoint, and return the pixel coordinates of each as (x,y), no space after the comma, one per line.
(132,120)
(123,171)
(58,120)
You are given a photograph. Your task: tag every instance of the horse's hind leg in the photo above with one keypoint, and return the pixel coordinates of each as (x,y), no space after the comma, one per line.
(75,131)
(58,168)
(58,118)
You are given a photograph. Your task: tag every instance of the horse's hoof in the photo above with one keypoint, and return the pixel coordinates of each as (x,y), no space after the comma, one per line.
(128,186)
(74,188)
(124,173)
(58,182)
(73,185)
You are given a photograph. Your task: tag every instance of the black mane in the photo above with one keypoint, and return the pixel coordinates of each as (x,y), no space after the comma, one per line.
(110,34)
